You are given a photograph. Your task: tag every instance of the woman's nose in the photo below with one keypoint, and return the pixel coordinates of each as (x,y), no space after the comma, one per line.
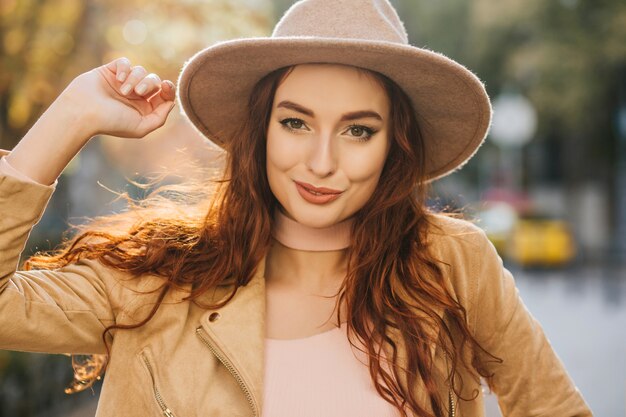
(322,159)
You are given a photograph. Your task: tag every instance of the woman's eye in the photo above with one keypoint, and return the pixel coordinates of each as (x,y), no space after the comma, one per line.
(357,130)
(292,124)
(361,133)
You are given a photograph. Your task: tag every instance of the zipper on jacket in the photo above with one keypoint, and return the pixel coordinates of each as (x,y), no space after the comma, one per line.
(452,411)
(229,366)
(166,411)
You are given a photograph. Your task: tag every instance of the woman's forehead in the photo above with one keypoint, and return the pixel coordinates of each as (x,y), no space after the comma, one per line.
(322,69)
(322,83)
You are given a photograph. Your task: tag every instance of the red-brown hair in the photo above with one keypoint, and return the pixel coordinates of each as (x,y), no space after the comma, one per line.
(391,271)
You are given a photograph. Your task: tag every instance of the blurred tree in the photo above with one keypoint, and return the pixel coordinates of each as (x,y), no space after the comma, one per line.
(46,43)
(565,56)
(37,40)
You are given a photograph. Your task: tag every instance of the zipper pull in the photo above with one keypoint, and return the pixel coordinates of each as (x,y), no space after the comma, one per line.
(451,412)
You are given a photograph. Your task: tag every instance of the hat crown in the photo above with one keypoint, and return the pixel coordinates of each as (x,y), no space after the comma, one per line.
(348,19)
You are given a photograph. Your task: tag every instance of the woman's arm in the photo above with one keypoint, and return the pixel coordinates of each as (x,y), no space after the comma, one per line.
(63,311)
(7,169)
(66,310)
(532,379)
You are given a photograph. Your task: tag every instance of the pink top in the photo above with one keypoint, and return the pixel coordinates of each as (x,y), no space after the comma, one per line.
(319,375)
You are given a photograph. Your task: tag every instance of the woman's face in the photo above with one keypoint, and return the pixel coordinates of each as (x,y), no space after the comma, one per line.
(328,128)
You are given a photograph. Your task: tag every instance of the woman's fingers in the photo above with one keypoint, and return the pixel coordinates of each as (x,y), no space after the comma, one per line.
(168,90)
(137,74)
(156,119)
(123,69)
(148,85)
(167,93)
(134,82)
(120,67)
(162,103)
(136,79)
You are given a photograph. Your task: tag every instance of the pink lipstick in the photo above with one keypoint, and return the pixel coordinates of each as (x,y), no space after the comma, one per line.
(317,195)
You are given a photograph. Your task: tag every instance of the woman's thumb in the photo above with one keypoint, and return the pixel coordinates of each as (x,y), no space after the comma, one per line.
(157,118)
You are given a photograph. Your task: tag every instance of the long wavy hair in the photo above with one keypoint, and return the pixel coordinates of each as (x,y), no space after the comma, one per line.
(393,281)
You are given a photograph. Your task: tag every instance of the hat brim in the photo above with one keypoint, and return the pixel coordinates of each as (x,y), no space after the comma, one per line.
(450,102)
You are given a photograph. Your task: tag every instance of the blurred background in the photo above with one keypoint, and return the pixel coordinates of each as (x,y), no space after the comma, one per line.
(548,186)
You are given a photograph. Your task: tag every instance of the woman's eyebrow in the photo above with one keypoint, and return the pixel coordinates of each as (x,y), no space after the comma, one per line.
(360,114)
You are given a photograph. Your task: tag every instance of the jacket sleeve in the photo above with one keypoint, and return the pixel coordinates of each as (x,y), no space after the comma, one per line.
(531,380)
(58,311)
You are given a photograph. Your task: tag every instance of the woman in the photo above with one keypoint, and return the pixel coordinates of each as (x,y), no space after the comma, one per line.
(314,281)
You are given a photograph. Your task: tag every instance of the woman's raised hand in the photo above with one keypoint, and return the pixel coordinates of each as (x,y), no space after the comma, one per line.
(115,99)
(121,99)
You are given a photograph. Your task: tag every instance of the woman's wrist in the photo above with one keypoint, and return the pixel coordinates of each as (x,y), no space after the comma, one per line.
(53,141)
(73,110)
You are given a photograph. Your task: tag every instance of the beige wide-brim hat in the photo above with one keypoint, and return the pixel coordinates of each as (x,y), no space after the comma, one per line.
(450,102)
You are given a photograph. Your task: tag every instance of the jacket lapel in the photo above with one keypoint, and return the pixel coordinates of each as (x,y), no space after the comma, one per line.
(239,333)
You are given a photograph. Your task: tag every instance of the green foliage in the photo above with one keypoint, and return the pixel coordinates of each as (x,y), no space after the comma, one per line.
(564,55)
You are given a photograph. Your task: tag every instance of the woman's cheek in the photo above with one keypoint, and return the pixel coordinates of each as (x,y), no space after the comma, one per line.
(282,152)
(364,164)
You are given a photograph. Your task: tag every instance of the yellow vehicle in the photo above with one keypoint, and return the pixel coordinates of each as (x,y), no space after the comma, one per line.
(527,239)
(540,242)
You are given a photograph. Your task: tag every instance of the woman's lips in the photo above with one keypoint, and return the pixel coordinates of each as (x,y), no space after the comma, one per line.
(320,190)
(317,195)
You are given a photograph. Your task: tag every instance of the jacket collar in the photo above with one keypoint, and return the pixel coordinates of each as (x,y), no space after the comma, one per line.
(239,336)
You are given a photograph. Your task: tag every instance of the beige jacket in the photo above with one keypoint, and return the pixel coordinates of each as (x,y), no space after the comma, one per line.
(190,362)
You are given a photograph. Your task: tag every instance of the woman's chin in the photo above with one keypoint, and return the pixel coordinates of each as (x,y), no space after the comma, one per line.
(315,217)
